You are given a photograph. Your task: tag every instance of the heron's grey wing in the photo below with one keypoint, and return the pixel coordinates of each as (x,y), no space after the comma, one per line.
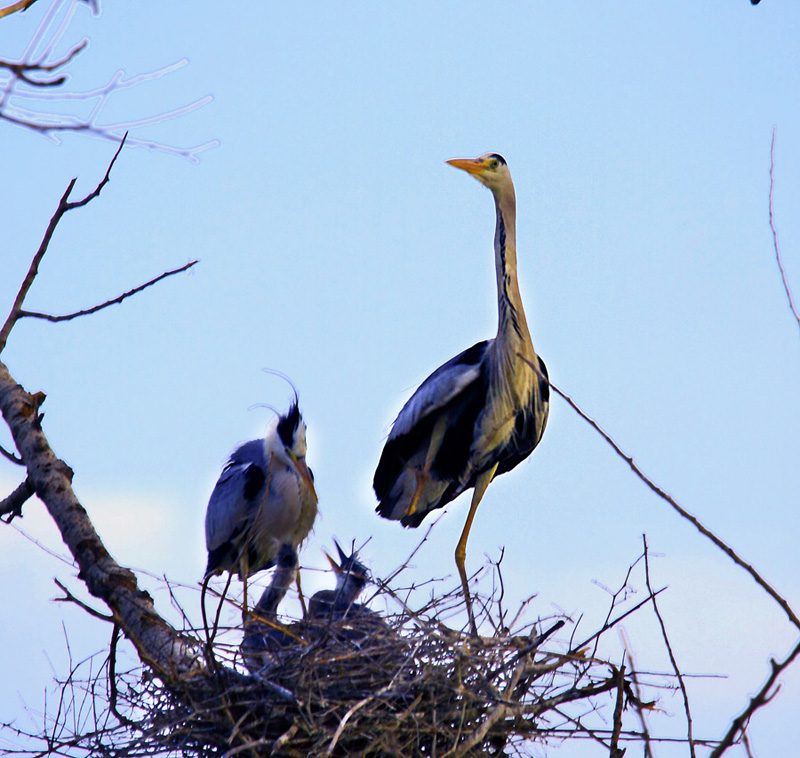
(230,511)
(444,384)
(445,388)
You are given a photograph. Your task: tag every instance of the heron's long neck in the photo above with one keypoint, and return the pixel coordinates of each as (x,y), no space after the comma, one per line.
(512,329)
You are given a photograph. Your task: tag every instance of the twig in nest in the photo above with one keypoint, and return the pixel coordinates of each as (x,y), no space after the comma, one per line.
(112,678)
(672,659)
(614,751)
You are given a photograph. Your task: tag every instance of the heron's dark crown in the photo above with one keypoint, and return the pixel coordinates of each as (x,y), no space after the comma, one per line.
(288,425)
(498,157)
(350,569)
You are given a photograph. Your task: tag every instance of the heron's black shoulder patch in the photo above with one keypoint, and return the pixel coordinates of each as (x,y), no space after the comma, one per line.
(254,479)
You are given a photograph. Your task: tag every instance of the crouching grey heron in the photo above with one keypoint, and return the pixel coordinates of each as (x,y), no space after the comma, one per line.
(481,413)
(264,498)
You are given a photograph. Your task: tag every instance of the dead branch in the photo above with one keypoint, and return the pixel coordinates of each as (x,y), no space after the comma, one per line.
(614,750)
(774,229)
(759,700)
(31,78)
(10,456)
(11,507)
(64,207)
(705,531)
(70,598)
(107,303)
(158,644)
(672,660)
(20,5)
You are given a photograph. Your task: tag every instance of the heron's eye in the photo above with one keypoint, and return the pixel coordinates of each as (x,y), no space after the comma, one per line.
(494,163)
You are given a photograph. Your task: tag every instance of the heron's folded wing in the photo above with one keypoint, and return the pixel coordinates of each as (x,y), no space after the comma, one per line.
(444,384)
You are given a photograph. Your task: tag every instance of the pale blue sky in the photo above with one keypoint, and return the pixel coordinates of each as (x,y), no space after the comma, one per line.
(337,247)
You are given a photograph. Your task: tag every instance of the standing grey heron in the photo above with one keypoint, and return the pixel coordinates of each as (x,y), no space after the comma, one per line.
(264,498)
(481,413)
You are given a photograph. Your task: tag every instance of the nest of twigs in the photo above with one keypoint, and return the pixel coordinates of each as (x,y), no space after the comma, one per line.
(404,684)
(401,685)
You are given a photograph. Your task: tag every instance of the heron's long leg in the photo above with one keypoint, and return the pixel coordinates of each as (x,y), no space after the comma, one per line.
(437,437)
(461,548)
(244,567)
(300,594)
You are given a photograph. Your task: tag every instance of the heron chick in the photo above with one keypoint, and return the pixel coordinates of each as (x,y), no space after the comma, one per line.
(481,413)
(352,577)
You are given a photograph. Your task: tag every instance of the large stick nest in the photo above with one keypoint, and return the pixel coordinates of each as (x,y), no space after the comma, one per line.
(404,684)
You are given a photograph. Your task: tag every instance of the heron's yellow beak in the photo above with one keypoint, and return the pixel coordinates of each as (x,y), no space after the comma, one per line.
(302,469)
(472,166)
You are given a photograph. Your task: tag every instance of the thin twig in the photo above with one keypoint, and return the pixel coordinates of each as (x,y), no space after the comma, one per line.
(760,699)
(115,301)
(614,751)
(10,456)
(70,598)
(20,5)
(64,206)
(112,677)
(772,226)
(574,649)
(672,660)
(637,700)
(729,551)
(11,507)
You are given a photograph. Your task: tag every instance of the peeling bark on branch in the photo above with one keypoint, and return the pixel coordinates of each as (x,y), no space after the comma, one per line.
(159,645)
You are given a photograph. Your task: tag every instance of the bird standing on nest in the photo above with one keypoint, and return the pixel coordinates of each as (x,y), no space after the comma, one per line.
(481,413)
(264,498)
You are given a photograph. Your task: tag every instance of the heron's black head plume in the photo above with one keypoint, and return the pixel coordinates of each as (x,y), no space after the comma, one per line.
(289,423)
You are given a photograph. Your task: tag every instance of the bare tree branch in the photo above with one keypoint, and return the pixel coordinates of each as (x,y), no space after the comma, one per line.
(705,531)
(159,645)
(760,699)
(772,226)
(115,301)
(20,5)
(64,206)
(11,507)
(614,749)
(10,456)
(30,79)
